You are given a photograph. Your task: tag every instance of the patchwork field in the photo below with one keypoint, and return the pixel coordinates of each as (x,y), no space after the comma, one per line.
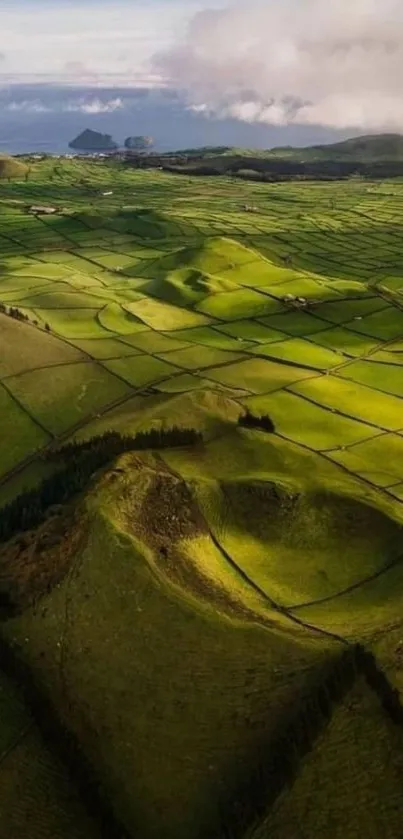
(211,588)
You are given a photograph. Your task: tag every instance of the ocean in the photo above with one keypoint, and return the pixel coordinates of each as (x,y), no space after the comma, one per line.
(45,118)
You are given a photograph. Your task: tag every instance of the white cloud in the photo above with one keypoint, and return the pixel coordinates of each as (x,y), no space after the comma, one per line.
(336,63)
(28,107)
(95,106)
(82,105)
(80,42)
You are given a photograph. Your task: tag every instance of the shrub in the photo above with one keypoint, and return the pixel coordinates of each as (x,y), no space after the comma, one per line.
(264,422)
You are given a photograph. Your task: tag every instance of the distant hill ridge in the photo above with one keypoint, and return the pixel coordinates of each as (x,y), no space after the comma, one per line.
(367,147)
(371,147)
(371,157)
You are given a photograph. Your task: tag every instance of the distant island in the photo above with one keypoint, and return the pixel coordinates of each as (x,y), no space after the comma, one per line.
(90,140)
(139,143)
(94,141)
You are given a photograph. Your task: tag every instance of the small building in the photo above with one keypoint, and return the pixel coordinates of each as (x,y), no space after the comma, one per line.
(38,210)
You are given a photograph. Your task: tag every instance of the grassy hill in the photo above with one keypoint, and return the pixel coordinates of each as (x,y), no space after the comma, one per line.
(367,148)
(189,601)
(11,168)
(371,147)
(164,676)
(373,156)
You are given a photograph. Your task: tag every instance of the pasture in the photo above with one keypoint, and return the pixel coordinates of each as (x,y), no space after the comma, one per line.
(223,568)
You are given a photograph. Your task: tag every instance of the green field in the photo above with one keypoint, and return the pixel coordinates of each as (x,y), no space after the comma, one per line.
(184,604)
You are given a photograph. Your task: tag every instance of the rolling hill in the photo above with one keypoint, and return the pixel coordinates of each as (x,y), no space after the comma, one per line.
(210,621)
(370,147)
(373,156)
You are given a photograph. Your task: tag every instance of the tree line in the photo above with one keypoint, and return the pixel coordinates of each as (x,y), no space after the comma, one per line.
(13,312)
(112,443)
(17,314)
(78,463)
(267,169)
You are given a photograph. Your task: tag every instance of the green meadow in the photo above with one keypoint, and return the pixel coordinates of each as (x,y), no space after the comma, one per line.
(196,596)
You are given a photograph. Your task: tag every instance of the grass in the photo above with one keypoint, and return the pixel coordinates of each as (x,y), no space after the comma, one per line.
(79,390)
(164,316)
(71,323)
(302,541)
(302,353)
(60,299)
(154,342)
(251,330)
(104,348)
(210,259)
(25,477)
(344,311)
(185,286)
(295,323)
(353,400)
(384,377)
(363,613)
(289,545)
(345,341)
(385,325)
(15,284)
(24,348)
(254,455)
(113,318)
(47,802)
(307,423)
(305,288)
(11,168)
(224,687)
(141,370)
(373,768)
(175,660)
(209,407)
(48,805)
(216,336)
(257,375)
(20,435)
(243,303)
(196,357)
(183,384)
(378,460)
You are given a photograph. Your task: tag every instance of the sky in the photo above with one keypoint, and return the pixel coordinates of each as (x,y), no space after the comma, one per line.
(90,40)
(322,65)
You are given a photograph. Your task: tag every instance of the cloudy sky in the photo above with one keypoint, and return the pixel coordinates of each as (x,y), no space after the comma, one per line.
(329,65)
(90,40)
